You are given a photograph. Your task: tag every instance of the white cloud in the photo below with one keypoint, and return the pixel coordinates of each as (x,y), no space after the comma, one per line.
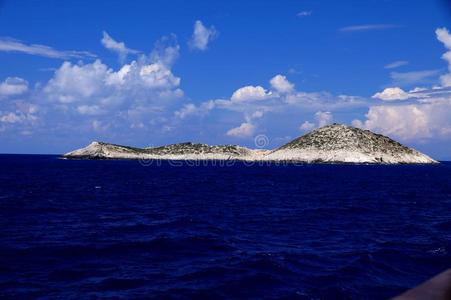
(24,113)
(323,118)
(202,36)
(357,123)
(255,101)
(191,109)
(417,89)
(166,51)
(244,130)
(118,47)
(11,45)
(322,100)
(99,126)
(294,71)
(445,80)
(13,86)
(281,84)
(406,122)
(367,27)
(396,64)
(444,36)
(250,93)
(257,114)
(26,108)
(94,97)
(409,78)
(248,127)
(393,93)
(89,109)
(306,126)
(427,113)
(97,82)
(10,118)
(156,76)
(187,110)
(427,117)
(304,13)
(143,91)
(75,83)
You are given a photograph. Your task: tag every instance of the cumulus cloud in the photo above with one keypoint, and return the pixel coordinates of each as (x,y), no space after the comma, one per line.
(23,113)
(143,91)
(11,45)
(202,36)
(13,86)
(119,47)
(166,51)
(76,82)
(406,122)
(307,126)
(10,118)
(191,109)
(187,110)
(254,102)
(390,94)
(426,117)
(250,93)
(145,94)
(244,130)
(444,36)
(96,83)
(248,127)
(281,84)
(257,114)
(396,64)
(323,118)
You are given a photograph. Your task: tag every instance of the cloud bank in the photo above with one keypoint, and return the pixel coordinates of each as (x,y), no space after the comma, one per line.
(143,98)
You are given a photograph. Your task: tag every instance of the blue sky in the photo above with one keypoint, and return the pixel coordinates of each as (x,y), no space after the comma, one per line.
(155,72)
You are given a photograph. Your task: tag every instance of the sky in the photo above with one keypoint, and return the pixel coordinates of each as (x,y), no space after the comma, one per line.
(148,73)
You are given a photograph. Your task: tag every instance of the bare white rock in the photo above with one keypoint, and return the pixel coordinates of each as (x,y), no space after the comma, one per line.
(330,144)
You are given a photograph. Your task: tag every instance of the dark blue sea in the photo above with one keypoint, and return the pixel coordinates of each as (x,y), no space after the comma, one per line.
(79,229)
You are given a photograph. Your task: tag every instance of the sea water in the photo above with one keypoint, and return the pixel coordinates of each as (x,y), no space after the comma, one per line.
(127,229)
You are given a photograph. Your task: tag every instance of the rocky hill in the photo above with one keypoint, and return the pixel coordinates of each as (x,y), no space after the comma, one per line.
(99,150)
(340,143)
(330,144)
(199,149)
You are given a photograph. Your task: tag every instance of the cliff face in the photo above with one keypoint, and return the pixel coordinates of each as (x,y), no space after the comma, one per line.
(330,144)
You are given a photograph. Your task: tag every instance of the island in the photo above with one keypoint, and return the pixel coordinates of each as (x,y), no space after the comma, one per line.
(334,143)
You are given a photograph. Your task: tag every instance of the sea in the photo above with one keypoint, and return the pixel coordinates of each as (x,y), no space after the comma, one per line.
(97,229)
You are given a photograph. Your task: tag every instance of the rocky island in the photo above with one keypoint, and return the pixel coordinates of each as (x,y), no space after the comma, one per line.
(334,143)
